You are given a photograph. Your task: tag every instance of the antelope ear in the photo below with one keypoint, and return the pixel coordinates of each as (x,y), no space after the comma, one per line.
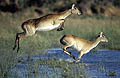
(73,6)
(101,34)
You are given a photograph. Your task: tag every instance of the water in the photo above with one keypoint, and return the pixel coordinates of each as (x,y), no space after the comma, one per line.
(99,64)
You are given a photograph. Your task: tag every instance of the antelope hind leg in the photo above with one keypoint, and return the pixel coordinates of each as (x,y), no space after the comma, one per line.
(16,41)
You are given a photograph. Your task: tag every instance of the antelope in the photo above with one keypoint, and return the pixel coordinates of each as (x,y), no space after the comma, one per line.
(81,45)
(45,23)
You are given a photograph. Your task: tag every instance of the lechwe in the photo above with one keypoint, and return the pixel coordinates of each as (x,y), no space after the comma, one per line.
(81,45)
(45,23)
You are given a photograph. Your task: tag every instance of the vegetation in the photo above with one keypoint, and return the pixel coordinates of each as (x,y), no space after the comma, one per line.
(111,73)
(49,68)
(88,7)
(67,68)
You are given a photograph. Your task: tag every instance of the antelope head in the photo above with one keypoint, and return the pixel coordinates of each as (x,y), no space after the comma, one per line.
(103,38)
(75,10)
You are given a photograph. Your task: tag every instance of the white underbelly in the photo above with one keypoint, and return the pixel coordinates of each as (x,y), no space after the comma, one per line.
(86,52)
(47,28)
(77,47)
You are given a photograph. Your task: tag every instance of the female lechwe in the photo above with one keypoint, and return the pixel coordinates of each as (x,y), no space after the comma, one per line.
(81,45)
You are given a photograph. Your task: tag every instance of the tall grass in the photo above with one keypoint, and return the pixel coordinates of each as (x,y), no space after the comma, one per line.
(87,28)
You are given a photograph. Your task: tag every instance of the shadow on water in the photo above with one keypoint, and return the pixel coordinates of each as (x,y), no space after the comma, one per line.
(99,64)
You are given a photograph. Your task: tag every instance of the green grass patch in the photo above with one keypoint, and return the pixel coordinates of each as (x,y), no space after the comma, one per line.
(111,73)
(68,69)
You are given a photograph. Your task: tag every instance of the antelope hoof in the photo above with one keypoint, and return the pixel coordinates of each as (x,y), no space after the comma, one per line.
(60,29)
(14,47)
(18,50)
(77,61)
(73,57)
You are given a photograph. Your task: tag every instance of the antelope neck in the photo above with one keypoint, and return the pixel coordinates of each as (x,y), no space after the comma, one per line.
(95,42)
(65,14)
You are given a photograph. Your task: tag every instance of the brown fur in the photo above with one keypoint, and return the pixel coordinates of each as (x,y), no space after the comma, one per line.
(45,23)
(83,46)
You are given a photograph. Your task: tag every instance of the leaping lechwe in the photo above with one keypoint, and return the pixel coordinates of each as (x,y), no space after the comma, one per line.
(45,23)
(81,45)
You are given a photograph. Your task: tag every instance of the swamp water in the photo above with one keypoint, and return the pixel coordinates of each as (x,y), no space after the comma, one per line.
(56,64)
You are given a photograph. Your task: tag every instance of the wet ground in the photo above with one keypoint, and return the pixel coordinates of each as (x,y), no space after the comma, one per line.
(99,64)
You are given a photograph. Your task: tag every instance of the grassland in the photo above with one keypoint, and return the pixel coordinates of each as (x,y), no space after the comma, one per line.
(82,26)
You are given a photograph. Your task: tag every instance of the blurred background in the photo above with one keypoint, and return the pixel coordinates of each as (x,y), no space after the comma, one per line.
(88,7)
(98,15)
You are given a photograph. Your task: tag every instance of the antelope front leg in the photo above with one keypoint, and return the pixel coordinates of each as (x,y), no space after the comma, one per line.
(69,53)
(79,57)
(61,27)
